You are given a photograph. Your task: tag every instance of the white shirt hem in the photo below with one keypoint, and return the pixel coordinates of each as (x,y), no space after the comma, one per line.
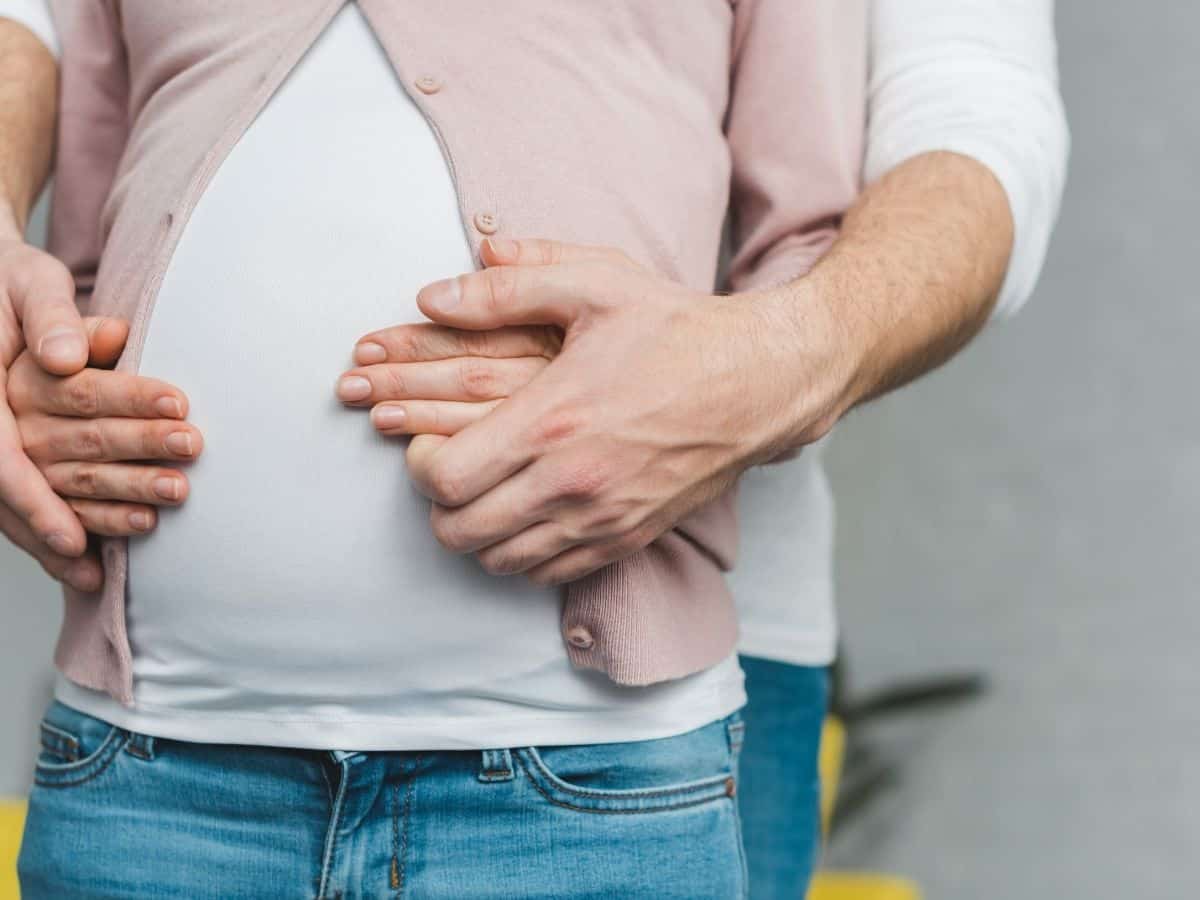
(383,733)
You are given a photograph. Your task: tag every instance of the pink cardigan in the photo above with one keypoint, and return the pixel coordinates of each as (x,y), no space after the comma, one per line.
(626,123)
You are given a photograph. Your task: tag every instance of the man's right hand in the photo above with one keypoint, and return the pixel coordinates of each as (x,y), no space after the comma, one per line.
(37,311)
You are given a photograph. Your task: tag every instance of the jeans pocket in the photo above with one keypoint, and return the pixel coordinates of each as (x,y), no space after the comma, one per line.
(75,747)
(637,777)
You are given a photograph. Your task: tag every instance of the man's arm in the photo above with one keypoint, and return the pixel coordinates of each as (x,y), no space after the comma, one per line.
(919,264)
(37,302)
(911,279)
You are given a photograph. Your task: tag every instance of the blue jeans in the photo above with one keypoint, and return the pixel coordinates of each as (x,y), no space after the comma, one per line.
(121,815)
(779,790)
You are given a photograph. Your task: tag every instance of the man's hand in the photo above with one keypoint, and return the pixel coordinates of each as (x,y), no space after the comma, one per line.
(37,310)
(660,397)
(90,436)
(37,296)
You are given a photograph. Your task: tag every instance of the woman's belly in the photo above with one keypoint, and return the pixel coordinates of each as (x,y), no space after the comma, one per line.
(301,573)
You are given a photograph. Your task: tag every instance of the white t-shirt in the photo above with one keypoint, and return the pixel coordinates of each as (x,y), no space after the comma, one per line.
(295,658)
(299,597)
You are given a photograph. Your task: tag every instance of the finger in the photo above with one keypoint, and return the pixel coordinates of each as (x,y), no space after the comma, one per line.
(573,564)
(502,513)
(50,440)
(425,341)
(534,494)
(525,551)
(112,519)
(155,485)
(43,296)
(469,379)
(443,417)
(492,448)
(83,573)
(542,252)
(419,455)
(106,340)
(27,495)
(522,295)
(96,393)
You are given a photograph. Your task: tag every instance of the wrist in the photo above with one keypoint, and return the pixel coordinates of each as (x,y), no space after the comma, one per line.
(811,362)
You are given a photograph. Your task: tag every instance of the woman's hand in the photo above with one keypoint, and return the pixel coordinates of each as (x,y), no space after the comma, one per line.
(430,379)
(95,437)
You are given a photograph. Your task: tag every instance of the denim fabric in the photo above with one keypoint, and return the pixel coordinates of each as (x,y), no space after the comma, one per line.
(779,790)
(120,815)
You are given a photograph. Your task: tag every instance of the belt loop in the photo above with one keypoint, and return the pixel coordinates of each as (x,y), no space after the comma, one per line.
(735,732)
(141,746)
(496,765)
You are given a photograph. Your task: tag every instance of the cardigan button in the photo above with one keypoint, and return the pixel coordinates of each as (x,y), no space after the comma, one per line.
(427,84)
(580,637)
(486,223)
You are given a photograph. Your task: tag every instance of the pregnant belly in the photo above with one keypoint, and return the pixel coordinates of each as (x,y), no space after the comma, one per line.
(303,547)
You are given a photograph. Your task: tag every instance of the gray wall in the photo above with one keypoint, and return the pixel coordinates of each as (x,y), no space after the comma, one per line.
(1029,510)
(1032,510)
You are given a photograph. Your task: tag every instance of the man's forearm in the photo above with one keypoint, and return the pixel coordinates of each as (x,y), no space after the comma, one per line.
(911,279)
(28,107)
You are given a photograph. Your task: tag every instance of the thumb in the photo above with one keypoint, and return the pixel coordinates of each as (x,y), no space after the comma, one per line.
(523,295)
(43,296)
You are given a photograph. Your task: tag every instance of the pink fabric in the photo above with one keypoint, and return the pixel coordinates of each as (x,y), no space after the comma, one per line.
(621,123)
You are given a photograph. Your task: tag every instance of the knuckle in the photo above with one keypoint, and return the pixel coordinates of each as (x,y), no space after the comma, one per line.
(395,382)
(478,380)
(557,427)
(581,482)
(498,563)
(407,343)
(85,480)
(82,394)
(446,530)
(89,442)
(446,485)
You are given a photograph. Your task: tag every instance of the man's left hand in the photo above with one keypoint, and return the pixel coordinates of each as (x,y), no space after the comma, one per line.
(660,397)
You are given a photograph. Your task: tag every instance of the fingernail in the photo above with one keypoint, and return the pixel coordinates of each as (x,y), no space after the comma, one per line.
(179,443)
(61,544)
(62,345)
(169,407)
(353,387)
(82,577)
(167,488)
(443,296)
(503,248)
(140,521)
(369,354)
(386,417)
